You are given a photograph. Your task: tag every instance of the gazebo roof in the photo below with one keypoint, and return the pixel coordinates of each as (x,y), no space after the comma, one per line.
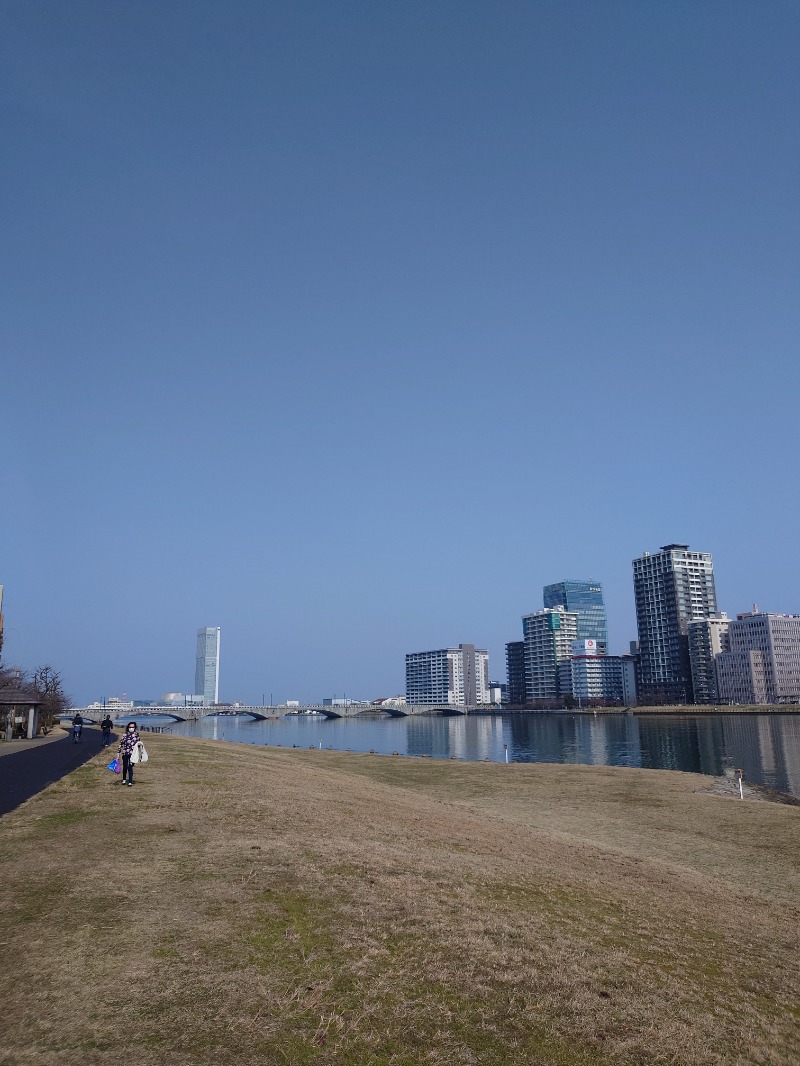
(16,697)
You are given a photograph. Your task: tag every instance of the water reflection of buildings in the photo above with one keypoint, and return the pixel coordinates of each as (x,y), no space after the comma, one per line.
(473,737)
(428,736)
(545,737)
(671,745)
(480,738)
(767,747)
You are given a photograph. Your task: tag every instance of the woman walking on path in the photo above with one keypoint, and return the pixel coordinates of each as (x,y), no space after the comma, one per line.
(130,739)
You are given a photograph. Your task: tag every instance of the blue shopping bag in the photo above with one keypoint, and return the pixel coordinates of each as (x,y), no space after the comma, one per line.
(114,765)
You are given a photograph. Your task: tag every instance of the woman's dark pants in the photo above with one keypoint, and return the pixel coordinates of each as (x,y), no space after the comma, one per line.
(127,768)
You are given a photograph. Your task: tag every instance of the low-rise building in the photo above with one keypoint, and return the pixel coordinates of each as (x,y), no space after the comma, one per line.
(590,676)
(498,693)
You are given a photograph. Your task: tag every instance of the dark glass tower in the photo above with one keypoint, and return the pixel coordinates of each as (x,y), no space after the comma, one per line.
(584,598)
(515,672)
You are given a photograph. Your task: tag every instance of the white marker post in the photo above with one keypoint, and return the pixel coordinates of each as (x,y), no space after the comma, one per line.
(740,778)
(506,747)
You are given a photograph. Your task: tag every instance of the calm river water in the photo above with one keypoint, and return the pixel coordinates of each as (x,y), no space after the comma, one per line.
(767,747)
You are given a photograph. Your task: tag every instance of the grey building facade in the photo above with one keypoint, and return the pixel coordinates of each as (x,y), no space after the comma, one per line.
(762,664)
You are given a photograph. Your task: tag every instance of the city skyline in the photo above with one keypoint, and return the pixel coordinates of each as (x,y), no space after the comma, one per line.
(428,305)
(208,642)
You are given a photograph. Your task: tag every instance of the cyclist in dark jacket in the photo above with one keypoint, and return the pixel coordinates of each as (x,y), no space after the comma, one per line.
(77,728)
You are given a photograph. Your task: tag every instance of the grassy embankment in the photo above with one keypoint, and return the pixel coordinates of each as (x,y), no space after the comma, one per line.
(250,905)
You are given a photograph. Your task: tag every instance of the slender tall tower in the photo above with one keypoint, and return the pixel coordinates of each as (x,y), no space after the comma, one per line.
(673,586)
(206,673)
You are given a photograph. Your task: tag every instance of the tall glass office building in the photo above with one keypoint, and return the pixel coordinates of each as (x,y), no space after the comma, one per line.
(206,673)
(585,599)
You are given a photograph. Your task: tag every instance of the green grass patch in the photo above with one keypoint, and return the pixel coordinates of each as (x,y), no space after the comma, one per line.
(50,822)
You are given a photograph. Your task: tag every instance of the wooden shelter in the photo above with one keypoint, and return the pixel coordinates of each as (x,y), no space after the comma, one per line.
(19,713)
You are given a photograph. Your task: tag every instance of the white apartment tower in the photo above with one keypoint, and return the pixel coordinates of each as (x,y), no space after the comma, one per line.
(548,636)
(206,672)
(457,677)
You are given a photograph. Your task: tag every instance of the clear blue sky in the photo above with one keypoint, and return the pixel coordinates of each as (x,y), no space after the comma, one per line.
(347,326)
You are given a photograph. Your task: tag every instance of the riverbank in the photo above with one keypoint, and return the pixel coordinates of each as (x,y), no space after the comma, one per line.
(680,709)
(721,708)
(253,905)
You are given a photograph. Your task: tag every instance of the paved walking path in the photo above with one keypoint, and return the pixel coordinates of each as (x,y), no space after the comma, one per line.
(28,766)
(11,747)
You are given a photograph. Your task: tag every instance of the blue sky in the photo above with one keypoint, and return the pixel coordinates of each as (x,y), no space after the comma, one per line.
(346,327)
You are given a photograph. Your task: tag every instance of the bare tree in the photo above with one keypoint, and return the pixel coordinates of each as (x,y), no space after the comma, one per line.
(46,683)
(11,677)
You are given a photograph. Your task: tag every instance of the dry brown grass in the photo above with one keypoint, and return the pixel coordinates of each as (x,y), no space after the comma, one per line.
(259,906)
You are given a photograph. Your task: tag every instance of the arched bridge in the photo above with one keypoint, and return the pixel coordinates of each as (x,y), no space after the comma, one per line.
(356,710)
(92,716)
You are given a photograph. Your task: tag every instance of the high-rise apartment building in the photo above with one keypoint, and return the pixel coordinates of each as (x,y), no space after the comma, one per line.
(762,664)
(585,599)
(515,672)
(707,638)
(673,586)
(455,676)
(206,672)
(549,635)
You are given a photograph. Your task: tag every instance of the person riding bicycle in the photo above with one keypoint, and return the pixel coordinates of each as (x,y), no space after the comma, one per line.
(106,725)
(77,728)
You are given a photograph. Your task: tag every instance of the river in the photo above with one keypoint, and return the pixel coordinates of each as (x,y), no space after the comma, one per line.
(766,747)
